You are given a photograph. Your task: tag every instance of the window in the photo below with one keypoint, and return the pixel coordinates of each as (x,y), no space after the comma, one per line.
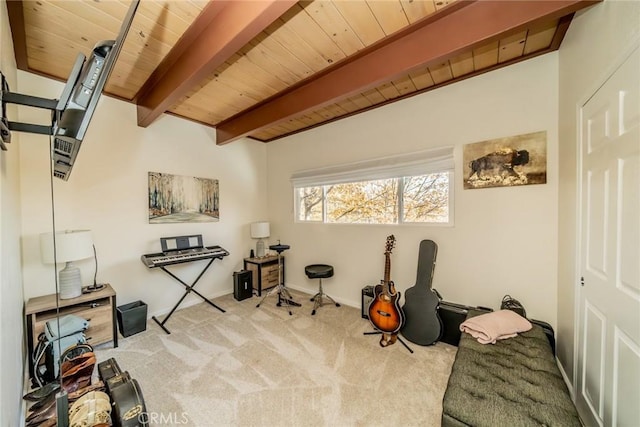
(415,188)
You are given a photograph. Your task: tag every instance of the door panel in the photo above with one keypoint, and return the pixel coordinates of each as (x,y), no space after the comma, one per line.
(593,367)
(598,125)
(629,225)
(626,376)
(597,218)
(608,356)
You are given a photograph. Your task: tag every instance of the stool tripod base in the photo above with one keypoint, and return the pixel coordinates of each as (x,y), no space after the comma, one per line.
(286,301)
(318,301)
(319,271)
(284,298)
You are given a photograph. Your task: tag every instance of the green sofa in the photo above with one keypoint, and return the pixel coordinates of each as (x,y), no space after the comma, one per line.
(515,382)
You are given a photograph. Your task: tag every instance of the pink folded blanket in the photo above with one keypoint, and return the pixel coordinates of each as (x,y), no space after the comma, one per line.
(497,325)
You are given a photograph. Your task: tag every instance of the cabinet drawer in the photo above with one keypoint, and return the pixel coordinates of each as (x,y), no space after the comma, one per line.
(100,322)
(264,272)
(100,325)
(269,276)
(97,307)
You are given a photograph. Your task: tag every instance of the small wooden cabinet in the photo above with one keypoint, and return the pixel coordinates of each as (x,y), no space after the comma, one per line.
(264,271)
(99,308)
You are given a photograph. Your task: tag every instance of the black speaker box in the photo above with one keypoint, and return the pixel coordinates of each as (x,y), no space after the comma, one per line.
(367,297)
(452,315)
(242,285)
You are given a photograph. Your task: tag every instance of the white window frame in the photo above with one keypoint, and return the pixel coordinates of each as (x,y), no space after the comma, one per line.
(438,160)
(449,222)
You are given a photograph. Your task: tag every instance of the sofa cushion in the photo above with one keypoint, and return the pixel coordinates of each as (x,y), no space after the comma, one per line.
(514,382)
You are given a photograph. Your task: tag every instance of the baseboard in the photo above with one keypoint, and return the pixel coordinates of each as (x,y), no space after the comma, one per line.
(310,292)
(25,388)
(566,380)
(197,300)
(313,291)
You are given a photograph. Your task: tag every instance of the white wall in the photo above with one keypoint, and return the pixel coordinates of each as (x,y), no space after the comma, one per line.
(594,43)
(504,239)
(107,193)
(12,354)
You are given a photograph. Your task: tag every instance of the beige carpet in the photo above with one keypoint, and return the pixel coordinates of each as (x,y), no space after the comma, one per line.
(262,367)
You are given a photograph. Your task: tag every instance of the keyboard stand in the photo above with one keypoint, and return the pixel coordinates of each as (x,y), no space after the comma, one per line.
(189,289)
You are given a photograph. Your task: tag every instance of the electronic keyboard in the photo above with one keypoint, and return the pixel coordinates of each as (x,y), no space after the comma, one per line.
(177,250)
(162,259)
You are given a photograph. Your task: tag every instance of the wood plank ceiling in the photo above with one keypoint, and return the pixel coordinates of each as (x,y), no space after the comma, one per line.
(270,68)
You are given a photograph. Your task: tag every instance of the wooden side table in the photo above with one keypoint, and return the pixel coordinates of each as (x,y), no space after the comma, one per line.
(99,308)
(264,272)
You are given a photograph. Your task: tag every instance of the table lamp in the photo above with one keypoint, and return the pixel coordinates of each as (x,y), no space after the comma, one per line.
(72,245)
(260,230)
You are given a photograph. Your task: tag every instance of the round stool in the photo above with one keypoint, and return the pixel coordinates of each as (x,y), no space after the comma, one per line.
(319,271)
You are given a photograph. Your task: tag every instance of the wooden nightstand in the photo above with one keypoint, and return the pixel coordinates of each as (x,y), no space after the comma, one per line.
(98,307)
(264,271)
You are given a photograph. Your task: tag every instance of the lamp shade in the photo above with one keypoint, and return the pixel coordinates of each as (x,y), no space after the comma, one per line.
(260,230)
(71,245)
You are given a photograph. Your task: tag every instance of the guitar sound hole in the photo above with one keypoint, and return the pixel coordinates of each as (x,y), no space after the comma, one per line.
(383,313)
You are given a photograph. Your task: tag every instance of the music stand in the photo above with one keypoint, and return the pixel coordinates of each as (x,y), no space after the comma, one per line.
(284,297)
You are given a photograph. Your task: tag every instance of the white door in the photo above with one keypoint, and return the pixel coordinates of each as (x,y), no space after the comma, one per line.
(608,351)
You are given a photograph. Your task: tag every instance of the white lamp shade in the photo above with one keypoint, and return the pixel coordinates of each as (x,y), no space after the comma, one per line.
(71,245)
(260,230)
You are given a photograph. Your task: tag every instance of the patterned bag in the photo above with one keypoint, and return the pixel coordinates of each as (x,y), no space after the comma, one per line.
(512,304)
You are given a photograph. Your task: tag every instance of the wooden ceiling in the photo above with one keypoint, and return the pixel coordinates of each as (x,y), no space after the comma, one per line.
(270,68)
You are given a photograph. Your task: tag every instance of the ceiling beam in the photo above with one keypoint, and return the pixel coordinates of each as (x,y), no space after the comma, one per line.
(461,26)
(561,30)
(221,29)
(16,22)
(563,26)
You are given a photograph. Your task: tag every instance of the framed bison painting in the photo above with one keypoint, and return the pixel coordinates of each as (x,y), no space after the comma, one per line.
(506,162)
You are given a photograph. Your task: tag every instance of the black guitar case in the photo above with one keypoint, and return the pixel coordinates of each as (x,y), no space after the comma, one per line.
(129,409)
(422,323)
(108,369)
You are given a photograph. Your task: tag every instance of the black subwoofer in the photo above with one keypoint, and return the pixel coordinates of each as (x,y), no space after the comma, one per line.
(242,285)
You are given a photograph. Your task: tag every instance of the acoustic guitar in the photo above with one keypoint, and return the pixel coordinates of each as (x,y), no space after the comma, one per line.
(385,313)
(422,323)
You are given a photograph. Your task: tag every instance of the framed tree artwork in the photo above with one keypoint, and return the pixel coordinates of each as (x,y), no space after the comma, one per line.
(178,198)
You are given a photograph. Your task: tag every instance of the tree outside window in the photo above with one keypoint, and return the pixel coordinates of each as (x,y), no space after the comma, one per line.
(415,199)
